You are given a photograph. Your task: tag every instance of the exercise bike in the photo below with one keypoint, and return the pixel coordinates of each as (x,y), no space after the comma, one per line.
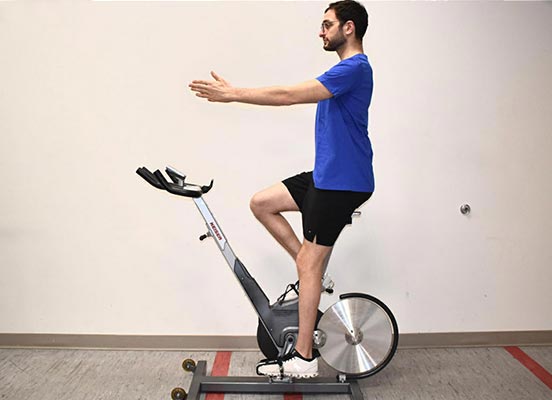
(357,336)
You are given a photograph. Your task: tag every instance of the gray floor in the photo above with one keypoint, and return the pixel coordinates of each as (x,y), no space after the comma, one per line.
(469,373)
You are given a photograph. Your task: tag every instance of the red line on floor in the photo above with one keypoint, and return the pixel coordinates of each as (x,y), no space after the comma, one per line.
(293,396)
(531,365)
(220,368)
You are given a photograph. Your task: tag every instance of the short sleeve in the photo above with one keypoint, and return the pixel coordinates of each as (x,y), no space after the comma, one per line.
(342,78)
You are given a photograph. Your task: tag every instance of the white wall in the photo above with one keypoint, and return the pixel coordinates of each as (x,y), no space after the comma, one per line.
(90,91)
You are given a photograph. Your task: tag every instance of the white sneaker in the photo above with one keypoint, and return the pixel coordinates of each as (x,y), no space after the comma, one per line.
(292,364)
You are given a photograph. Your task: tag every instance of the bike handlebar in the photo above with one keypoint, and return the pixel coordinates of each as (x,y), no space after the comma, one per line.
(178,187)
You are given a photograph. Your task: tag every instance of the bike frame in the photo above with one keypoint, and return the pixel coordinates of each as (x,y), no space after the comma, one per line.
(279,321)
(215,231)
(258,298)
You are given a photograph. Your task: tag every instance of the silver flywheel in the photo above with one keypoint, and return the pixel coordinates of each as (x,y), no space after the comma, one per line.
(360,335)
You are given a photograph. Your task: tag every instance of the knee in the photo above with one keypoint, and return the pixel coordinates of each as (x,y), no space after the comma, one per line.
(309,264)
(258,204)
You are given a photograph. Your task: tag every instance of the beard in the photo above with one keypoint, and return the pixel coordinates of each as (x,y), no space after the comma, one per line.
(335,43)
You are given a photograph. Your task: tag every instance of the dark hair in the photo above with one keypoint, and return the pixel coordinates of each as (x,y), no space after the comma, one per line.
(350,10)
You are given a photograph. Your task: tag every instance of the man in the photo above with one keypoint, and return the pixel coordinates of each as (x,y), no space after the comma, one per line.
(342,178)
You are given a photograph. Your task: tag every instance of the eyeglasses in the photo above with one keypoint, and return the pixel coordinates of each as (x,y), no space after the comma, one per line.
(326,25)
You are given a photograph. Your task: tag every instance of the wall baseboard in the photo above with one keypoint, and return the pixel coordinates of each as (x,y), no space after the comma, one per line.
(475,339)
(247,343)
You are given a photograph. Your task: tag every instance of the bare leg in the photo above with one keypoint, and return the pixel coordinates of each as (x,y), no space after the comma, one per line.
(310,267)
(311,259)
(267,206)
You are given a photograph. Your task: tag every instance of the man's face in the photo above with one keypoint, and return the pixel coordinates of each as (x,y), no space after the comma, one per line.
(331,33)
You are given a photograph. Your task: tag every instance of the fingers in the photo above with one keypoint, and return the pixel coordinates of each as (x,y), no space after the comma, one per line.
(217,77)
(211,90)
(200,87)
(203,89)
(206,84)
(200,83)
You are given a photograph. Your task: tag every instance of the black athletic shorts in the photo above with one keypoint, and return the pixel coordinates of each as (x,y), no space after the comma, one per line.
(325,212)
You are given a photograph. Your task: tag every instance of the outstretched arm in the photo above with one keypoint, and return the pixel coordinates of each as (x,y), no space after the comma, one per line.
(221,91)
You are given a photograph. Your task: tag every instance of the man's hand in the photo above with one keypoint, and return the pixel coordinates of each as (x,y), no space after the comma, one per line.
(215,91)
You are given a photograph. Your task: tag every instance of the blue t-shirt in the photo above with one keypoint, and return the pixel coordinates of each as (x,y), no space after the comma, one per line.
(343,158)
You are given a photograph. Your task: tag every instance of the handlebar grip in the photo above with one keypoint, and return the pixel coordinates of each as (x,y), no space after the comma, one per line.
(205,189)
(149,177)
